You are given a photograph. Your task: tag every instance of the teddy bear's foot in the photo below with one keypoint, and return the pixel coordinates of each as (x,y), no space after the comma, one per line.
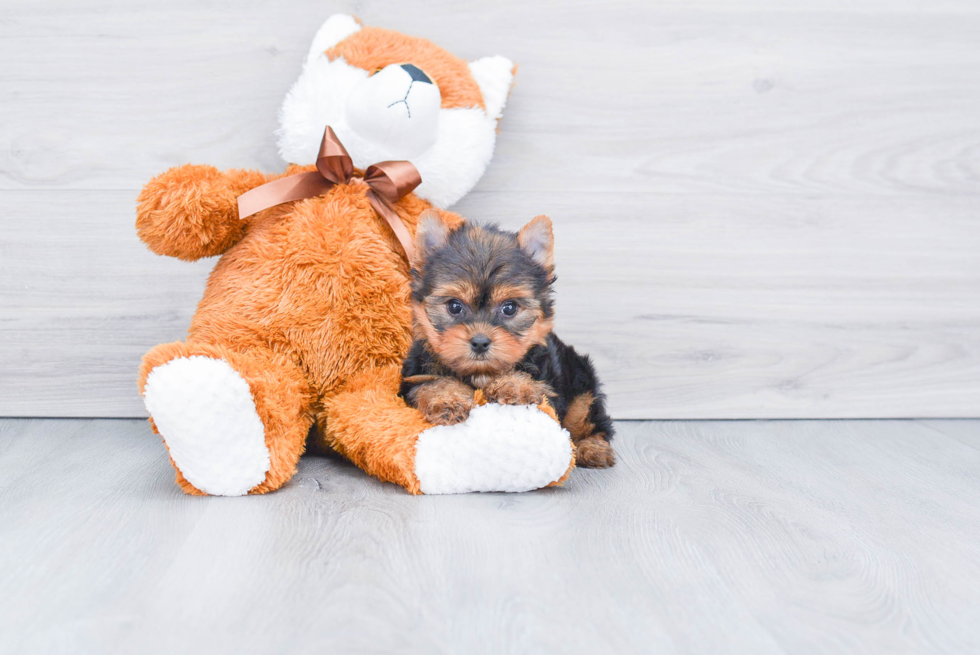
(205,413)
(498,448)
(234,421)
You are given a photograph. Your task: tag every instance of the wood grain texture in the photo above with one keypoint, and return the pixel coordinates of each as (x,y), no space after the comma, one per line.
(761,211)
(734,537)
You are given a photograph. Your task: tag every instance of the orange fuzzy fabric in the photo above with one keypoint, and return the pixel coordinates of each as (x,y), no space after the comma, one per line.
(373,48)
(309,301)
(309,297)
(373,427)
(191,212)
(283,400)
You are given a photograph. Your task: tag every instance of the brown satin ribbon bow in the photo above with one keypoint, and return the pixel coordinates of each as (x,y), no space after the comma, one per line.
(388,182)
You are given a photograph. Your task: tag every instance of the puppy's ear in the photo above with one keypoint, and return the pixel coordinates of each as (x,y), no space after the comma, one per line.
(538,241)
(431,234)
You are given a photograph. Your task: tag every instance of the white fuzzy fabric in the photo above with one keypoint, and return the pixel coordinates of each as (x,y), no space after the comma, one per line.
(495,76)
(317,99)
(498,448)
(334,30)
(204,410)
(394,112)
(452,166)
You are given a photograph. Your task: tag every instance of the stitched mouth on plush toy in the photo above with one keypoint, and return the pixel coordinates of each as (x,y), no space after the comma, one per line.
(403,101)
(397,110)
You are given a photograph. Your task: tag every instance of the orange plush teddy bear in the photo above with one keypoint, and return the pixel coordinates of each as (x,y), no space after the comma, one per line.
(305,319)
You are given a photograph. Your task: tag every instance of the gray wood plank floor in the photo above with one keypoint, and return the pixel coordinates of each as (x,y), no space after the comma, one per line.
(737,537)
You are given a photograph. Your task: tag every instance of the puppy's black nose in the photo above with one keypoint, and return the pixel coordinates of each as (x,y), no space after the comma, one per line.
(416,73)
(480,344)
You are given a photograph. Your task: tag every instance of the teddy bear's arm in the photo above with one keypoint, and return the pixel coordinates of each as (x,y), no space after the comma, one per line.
(190,211)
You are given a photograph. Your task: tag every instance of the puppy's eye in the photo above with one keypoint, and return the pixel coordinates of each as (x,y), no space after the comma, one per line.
(454,307)
(509,308)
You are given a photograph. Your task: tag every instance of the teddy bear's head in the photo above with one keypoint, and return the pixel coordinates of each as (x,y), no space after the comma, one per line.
(389,96)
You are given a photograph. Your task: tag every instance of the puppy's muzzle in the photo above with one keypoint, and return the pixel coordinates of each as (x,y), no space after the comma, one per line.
(480,344)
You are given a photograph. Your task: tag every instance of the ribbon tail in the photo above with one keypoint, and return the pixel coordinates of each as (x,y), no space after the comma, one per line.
(385,211)
(285,189)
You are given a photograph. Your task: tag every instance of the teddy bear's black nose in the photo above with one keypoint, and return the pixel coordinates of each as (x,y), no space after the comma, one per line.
(416,73)
(480,344)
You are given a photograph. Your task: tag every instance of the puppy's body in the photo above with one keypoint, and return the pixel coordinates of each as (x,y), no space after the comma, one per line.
(482,315)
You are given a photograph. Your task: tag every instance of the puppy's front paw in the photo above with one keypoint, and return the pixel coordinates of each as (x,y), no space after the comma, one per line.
(447,411)
(516,389)
(594,453)
(444,401)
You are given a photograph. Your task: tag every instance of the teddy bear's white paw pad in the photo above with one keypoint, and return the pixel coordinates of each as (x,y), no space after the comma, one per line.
(205,412)
(498,448)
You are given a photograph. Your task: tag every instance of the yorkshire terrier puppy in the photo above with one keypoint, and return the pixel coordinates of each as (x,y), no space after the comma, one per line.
(482,313)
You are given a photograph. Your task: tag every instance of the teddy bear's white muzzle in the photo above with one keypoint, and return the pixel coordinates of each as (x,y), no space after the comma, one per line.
(396,109)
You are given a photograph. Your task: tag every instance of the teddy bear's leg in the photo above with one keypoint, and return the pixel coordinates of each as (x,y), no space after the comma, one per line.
(370,425)
(233,422)
(497,448)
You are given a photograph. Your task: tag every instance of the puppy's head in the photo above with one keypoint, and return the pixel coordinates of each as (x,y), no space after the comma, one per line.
(481,297)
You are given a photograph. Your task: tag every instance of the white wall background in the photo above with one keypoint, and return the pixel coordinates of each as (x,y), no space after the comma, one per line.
(763,208)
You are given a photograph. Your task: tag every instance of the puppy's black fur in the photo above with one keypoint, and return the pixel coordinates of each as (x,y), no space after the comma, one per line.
(483,310)
(568,373)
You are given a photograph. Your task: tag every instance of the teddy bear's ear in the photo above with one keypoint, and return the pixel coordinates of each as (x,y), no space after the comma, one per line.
(334,30)
(538,240)
(494,75)
(431,234)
